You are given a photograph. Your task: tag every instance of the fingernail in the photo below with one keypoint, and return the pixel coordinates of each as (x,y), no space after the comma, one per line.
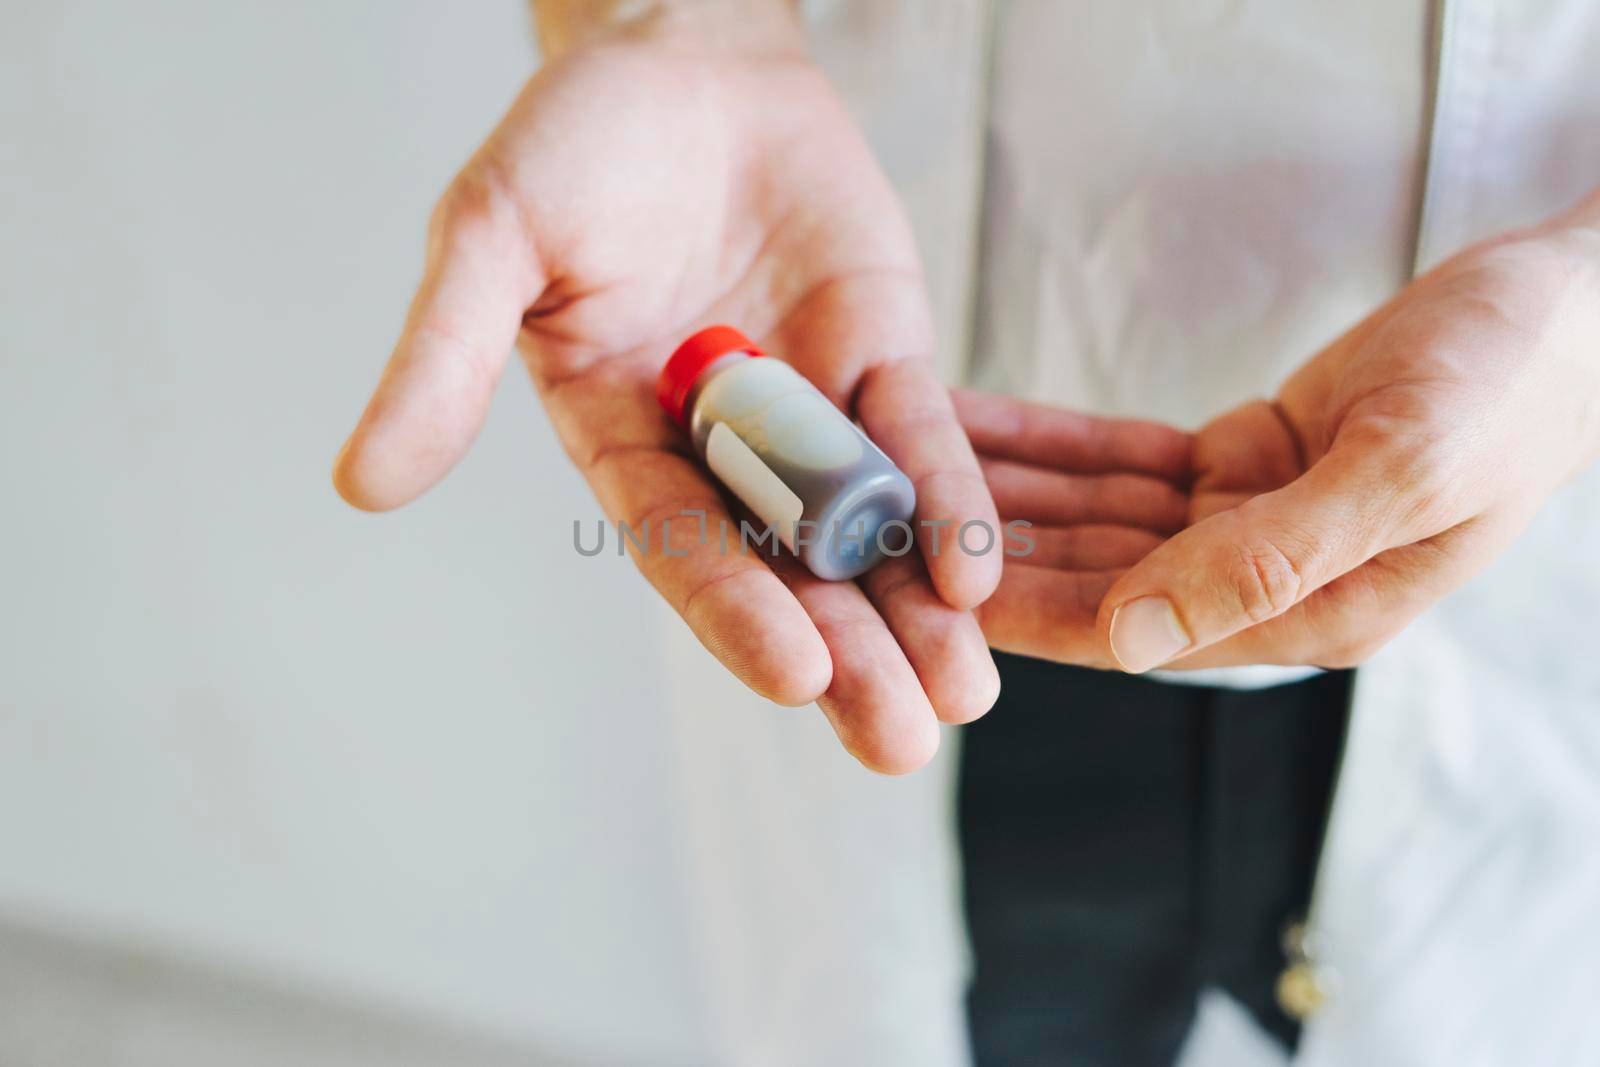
(1145,633)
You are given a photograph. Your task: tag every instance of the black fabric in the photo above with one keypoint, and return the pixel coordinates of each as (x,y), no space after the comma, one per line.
(1127,843)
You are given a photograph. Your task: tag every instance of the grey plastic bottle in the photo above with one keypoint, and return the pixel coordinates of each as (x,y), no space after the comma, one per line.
(795,460)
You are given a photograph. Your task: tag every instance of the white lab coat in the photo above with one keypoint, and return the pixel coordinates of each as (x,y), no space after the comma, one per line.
(1162,207)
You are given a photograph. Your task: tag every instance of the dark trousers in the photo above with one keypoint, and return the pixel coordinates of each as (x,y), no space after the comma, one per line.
(1127,843)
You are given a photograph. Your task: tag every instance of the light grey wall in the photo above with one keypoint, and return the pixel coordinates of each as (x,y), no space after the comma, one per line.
(240,724)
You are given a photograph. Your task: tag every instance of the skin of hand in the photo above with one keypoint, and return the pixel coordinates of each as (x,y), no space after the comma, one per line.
(660,173)
(1389,469)
(1100,495)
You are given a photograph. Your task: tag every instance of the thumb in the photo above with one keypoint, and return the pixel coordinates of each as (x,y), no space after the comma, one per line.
(481,275)
(1253,562)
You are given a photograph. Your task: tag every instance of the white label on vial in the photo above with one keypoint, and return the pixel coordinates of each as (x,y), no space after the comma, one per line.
(753,482)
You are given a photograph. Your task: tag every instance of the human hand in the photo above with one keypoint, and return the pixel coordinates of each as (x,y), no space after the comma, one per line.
(1391,468)
(1100,495)
(651,180)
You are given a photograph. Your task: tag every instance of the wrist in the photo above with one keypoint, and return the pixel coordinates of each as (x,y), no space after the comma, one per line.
(766,27)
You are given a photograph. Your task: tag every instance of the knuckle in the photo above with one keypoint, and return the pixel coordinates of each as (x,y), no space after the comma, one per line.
(892,581)
(851,631)
(1265,580)
(475,205)
(465,201)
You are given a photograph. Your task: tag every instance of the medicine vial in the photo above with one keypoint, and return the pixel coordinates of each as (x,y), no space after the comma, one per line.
(794,459)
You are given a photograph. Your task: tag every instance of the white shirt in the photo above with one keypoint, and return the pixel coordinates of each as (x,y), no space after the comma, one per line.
(1161,207)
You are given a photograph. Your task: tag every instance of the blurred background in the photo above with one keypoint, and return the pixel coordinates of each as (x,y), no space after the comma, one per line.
(281,782)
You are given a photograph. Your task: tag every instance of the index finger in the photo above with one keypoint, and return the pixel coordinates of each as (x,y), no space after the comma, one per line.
(907,411)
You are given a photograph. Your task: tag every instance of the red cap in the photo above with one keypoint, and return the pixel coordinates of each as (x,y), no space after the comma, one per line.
(691,359)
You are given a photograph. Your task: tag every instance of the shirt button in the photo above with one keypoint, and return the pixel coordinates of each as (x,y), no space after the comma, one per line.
(1299,992)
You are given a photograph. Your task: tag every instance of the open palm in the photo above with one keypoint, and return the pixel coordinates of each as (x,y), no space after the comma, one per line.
(633,193)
